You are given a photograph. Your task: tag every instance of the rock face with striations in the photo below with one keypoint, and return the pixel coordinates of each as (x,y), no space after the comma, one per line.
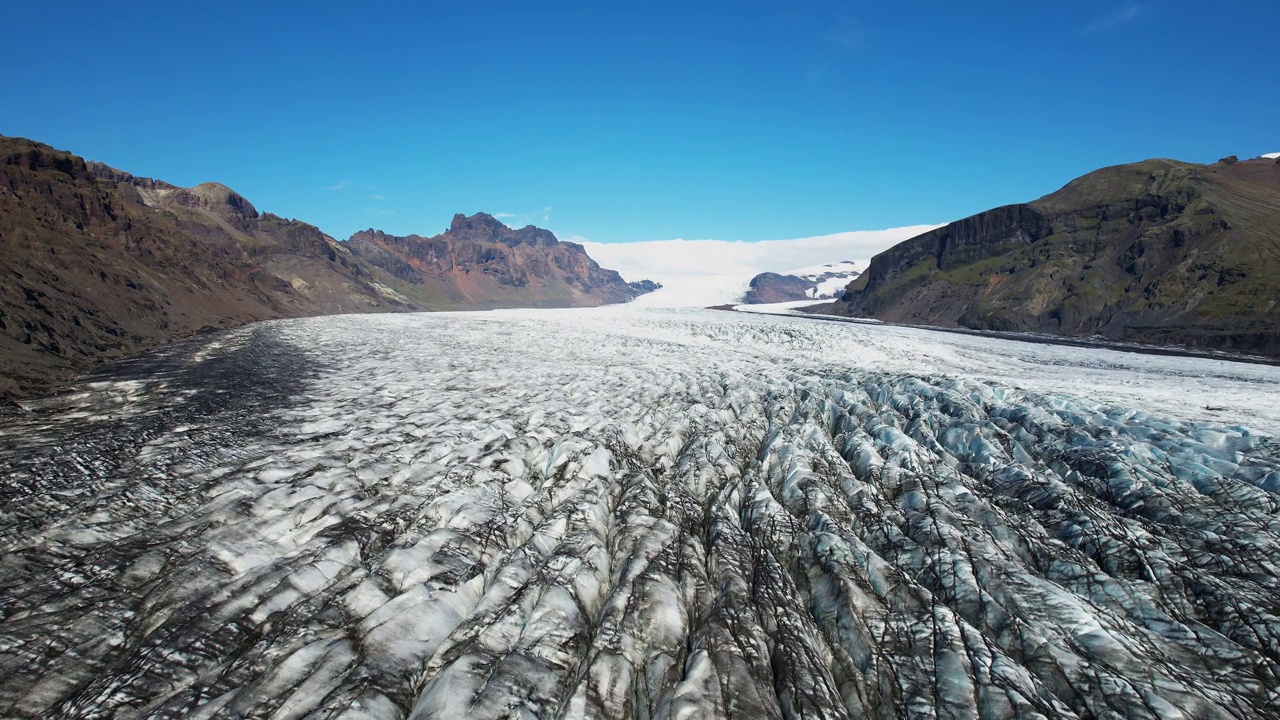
(1157,251)
(481,263)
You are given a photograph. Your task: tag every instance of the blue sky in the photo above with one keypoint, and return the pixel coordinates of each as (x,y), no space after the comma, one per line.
(641,121)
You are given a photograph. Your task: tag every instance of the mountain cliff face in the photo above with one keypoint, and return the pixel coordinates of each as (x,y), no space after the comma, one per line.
(1157,251)
(481,263)
(99,263)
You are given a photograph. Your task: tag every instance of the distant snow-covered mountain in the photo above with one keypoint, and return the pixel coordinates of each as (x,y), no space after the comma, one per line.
(816,282)
(700,273)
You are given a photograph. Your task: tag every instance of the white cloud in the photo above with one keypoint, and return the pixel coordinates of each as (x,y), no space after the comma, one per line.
(720,257)
(340,185)
(1119,16)
(376,197)
(709,272)
(526,218)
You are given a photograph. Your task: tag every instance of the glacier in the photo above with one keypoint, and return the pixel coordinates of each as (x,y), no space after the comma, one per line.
(642,513)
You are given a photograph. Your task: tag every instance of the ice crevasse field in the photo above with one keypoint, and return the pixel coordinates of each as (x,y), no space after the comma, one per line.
(640,512)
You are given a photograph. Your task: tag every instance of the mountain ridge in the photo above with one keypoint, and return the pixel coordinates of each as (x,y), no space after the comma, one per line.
(1159,251)
(101,263)
(480,263)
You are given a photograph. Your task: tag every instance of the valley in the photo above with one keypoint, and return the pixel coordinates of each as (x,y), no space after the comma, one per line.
(622,511)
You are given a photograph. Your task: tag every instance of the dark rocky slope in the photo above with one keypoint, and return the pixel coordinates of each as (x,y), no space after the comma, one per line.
(93,268)
(98,263)
(1157,251)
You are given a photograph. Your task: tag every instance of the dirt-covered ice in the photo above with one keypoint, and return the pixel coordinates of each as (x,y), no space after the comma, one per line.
(640,513)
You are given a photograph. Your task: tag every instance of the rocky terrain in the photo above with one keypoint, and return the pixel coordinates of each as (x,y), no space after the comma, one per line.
(1157,251)
(481,263)
(621,513)
(821,282)
(99,263)
(769,287)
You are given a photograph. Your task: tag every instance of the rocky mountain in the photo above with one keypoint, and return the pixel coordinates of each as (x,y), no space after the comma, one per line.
(317,267)
(770,287)
(820,282)
(1157,251)
(480,263)
(99,263)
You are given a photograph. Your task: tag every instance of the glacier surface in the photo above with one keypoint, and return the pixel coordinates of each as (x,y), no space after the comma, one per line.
(628,512)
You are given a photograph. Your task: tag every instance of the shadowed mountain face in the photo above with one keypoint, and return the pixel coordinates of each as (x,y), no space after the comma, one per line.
(1158,251)
(481,263)
(99,263)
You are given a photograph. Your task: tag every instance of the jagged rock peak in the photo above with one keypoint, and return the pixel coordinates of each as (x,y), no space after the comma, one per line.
(369,235)
(478,222)
(485,227)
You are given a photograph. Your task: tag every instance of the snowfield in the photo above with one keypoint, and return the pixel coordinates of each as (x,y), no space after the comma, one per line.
(703,273)
(837,276)
(629,512)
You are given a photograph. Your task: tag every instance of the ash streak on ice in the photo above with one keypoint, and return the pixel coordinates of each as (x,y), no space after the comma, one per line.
(633,513)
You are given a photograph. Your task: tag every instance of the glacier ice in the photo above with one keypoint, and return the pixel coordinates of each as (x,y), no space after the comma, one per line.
(641,513)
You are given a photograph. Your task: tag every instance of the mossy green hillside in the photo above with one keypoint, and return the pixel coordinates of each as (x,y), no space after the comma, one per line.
(1153,250)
